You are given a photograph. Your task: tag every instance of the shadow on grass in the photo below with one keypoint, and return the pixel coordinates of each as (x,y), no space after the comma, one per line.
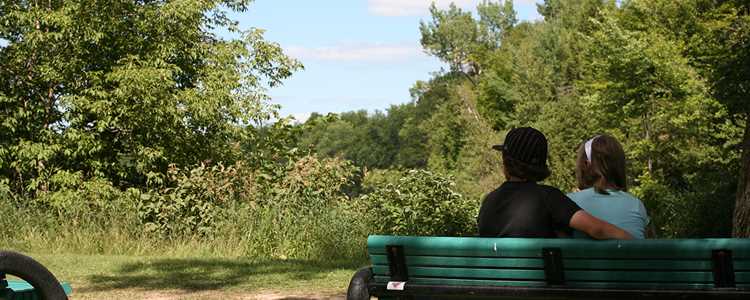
(215,274)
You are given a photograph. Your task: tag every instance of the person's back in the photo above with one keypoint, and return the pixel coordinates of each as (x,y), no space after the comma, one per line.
(524,209)
(601,176)
(619,208)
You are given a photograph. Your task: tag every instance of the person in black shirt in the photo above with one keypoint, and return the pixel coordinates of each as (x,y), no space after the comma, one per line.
(521,207)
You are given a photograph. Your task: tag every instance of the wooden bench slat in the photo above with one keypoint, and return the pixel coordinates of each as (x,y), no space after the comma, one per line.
(468,273)
(590,275)
(533,263)
(625,264)
(571,248)
(538,263)
(741,265)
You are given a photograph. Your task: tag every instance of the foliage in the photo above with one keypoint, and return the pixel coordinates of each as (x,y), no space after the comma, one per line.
(421,203)
(374,179)
(456,38)
(76,78)
(192,199)
(722,55)
(313,184)
(369,140)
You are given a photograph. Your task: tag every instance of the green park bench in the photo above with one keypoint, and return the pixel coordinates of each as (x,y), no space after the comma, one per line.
(472,267)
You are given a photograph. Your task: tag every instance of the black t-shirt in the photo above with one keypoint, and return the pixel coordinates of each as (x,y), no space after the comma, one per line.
(525,209)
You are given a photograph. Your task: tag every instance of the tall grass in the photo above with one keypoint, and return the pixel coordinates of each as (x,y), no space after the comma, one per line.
(241,231)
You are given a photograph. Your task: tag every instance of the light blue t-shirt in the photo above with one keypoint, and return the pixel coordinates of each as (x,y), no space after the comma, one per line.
(618,208)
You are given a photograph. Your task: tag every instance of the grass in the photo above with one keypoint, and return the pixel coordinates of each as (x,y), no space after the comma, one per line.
(158,277)
(251,250)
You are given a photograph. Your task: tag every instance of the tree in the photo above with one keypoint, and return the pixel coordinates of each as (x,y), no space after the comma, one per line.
(456,38)
(121,89)
(723,52)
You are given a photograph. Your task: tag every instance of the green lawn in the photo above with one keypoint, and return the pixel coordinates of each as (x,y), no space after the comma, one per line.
(121,277)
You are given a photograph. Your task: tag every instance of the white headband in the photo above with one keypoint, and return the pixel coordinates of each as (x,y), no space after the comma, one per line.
(587,147)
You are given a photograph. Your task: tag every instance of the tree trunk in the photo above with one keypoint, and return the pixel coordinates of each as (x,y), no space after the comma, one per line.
(742,204)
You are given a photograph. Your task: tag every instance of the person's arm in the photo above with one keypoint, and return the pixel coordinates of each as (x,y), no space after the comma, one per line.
(597,228)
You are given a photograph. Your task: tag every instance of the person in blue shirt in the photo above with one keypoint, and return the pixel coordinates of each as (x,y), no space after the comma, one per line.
(601,176)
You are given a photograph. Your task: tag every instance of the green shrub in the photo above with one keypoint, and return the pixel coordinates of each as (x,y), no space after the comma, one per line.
(206,210)
(312,184)
(420,203)
(193,203)
(89,200)
(373,179)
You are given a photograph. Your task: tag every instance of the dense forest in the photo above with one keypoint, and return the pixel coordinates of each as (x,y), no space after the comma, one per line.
(131,127)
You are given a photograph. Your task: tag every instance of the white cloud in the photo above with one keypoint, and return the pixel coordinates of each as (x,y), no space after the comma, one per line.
(392,8)
(395,8)
(358,53)
(300,118)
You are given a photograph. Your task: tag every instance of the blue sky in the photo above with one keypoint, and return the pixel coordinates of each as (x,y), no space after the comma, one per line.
(358,54)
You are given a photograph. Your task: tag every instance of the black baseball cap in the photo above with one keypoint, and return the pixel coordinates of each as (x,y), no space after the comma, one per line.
(526,145)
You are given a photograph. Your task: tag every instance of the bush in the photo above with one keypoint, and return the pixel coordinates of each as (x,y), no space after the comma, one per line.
(373,179)
(208,210)
(312,184)
(192,204)
(91,200)
(421,203)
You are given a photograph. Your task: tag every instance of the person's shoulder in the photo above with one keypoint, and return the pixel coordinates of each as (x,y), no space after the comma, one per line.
(494,193)
(549,188)
(551,191)
(635,200)
(582,194)
(628,196)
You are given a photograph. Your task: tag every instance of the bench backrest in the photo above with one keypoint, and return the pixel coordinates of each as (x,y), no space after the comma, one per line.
(575,263)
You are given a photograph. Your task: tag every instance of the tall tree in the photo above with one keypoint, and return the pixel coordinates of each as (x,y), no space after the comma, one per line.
(121,88)
(455,37)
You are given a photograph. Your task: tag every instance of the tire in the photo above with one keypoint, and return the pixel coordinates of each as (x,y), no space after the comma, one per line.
(358,285)
(32,272)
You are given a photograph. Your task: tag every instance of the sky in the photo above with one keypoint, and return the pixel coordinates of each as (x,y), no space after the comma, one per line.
(358,54)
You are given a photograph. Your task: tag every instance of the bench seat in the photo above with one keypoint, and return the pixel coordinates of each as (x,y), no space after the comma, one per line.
(558,268)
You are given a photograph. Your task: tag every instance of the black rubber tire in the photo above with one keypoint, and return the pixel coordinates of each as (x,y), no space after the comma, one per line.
(358,285)
(34,273)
